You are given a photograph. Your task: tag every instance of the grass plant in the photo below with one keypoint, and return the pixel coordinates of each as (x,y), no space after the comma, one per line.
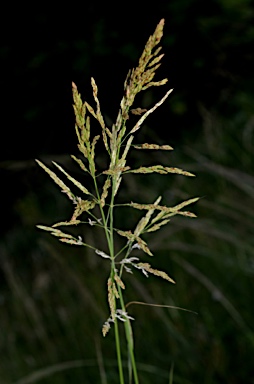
(52,297)
(97,205)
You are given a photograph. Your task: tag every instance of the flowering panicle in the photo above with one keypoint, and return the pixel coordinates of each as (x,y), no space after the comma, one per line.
(118,140)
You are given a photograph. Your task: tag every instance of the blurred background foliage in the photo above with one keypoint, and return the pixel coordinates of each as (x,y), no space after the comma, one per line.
(53,297)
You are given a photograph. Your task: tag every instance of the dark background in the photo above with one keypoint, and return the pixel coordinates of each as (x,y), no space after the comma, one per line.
(209,62)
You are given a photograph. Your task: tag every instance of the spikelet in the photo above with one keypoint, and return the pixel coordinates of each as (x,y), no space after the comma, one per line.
(119,281)
(98,112)
(79,108)
(186,213)
(153,146)
(82,206)
(115,291)
(138,111)
(116,170)
(141,74)
(55,232)
(160,169)
(80,163)
(145,220)
(66,223)
(132,237)
(104,195)
(142,119)
(63,237)
(163,208)
(90,109)
(72,241)
(184,203)
(147,267)
(58,181)
(98,115)
(95,139)
(82,125)
(74,181)
(105,328)
(111,298)
(142,245)
(126,150)
(158,225)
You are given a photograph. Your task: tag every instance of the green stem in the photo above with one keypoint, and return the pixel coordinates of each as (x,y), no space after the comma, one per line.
(111,217)
(110,240)
(118,352)
(129,337)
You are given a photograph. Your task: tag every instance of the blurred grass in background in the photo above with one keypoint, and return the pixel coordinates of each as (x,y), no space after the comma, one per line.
(55,305)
